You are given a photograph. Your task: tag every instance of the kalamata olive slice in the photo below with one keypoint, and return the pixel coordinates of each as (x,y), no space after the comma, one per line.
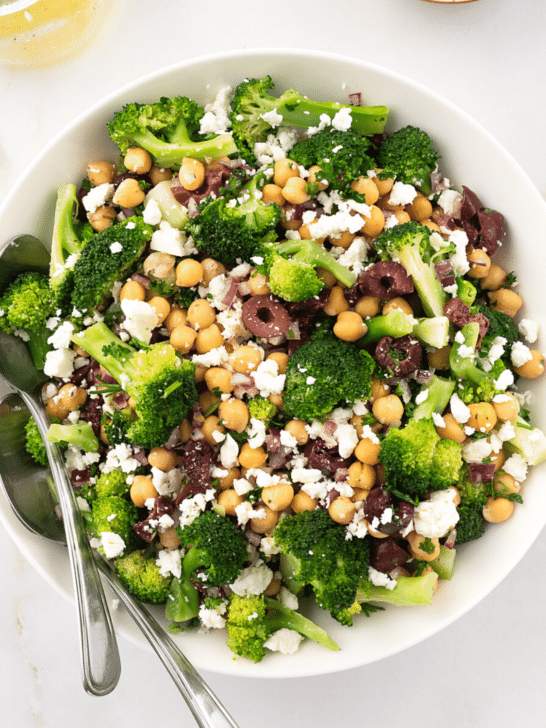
(265,316)
(386,279)
(322,457)
(408,354)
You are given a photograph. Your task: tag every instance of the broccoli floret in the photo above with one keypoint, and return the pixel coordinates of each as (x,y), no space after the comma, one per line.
(252,104)
(217,551)
(408,154)
(25,306)
(168,130)
(500,325)
(34,444)
(324,372)
(69,238)
(251,620)
(140,575)
(409,245)
(230,232)
(262,409)
(79,435)
(109,256)
(480,383)
(471,523)
(323,557)
(343,157)
(291,268)
(112,483)
(414,457)
(113,514)
(116,426)
(161,383)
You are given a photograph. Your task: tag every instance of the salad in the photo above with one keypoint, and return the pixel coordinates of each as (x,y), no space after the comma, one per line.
(282,362)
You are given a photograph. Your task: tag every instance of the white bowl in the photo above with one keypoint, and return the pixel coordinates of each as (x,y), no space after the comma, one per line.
(470,156)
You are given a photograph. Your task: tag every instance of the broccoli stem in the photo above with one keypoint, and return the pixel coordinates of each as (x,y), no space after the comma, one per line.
(309,251)
(433,331)
(79,435)
(108,349)
(396,323)
(444,563)
(64,240)
(302,112)
(409,591)
(439,393)
(529,442)
(290,619)
(426,282)
(463,367)
(170,154)
(38,346)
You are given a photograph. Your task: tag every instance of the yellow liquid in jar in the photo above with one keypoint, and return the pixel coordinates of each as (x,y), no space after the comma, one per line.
(48,31)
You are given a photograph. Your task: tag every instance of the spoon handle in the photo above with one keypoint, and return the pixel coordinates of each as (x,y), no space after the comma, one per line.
(204,705)
(100,657)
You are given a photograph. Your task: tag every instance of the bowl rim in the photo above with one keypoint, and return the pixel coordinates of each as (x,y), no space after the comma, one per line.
(283,668)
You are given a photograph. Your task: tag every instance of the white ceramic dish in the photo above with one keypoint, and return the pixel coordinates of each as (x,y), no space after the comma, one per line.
(470,156)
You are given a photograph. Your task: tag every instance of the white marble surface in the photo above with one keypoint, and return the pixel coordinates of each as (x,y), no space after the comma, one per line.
(485,670)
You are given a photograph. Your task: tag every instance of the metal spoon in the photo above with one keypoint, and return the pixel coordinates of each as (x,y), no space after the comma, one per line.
(101,665)
(26,489)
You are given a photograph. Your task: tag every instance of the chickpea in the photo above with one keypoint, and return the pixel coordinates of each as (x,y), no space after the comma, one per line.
(506,301)
(252,457)
(161,307)
(359,494)
(432,226)
(284,170)
(185,431)
(282,360)
(138,160)
(71,397)
(361,476)
(101,172)
(379,388)
(176,317)
(132,291)
(508,408)
(480,263)
(208,399)
(245,359)
(420,209)
(499,458)
(191,173)
(201,314)
(384,186)
(160,266)
(303,502)
(229,500)
(200,371)
(169,538)
(343,240)
(208,339)
(417,542)
(505,483)
(258,284)
(102,218)
(367,452)
(298,430)
(495,278)
(373,532)
(532,368)
(273,193)
(142,489)
(266,523)
(211,269)
(401,217)
(279,496)
(452,430)
(497,510)
(234,415)
(342,510)
(349,326)
(182,338)
(162,459)
(129,193)
(374,222)
(397,304)
(482,416)
(56,409)
(336,302)
(220,379)
(159,174)
(388,410)
(439,358)
(277,400)
(314,178)
(211,426)
(368,306)
(366,186)
(327,277)
(273,587)
(289,220)
(306,232)
(295,191)
(189,272)
(226,481)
